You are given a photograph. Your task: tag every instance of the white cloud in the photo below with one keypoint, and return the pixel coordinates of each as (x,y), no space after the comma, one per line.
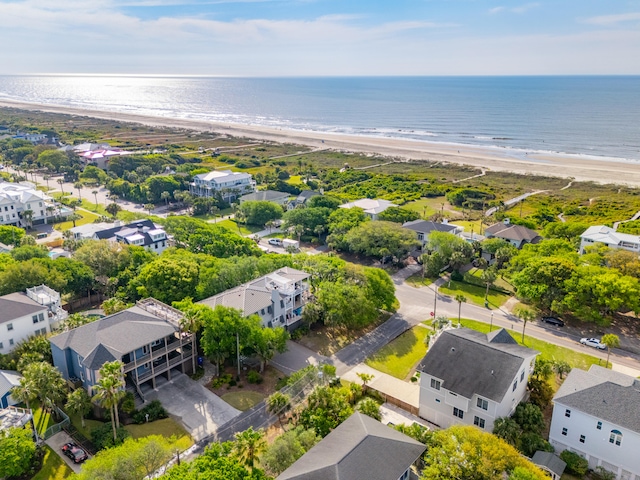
(612,20)
(496,10)
(519,9)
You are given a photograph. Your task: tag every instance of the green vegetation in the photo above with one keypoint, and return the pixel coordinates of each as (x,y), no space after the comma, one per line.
(53,467)
(232,226)
(85,217)
(399,357)
(473,293)
(243,400)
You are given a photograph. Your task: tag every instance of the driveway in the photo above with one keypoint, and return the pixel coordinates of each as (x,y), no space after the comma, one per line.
(56,442)
(200,411)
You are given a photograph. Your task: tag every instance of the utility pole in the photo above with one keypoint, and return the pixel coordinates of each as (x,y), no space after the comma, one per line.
(238,352)
(491,324)
(435,303)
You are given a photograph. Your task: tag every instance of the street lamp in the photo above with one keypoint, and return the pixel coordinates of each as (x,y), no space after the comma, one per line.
(491,324)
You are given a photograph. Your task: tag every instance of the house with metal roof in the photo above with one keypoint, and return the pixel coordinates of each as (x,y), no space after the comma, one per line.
(147,338)
(516,235)
(224,183)
(359,448)
(277,298)
(8,380)
(24,314)
(281,198)
(423,229)
(596,414)
(609,237)
(372,206)
(472,378)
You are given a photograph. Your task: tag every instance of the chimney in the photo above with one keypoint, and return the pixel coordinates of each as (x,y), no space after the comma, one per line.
(139,227)
(506,221)
(445,221)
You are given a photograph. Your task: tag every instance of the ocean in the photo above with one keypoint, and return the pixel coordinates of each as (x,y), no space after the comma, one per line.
(587,116)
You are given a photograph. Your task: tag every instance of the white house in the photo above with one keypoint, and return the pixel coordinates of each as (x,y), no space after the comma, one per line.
(423,228)
(143,233)
(472,378)
(8,380)
(609,237)
(596,414)
(277,298)
(372,207)
(17,198)
(229,185)
(34,312)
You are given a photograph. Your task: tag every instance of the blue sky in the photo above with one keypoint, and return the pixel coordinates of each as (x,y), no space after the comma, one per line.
(320,37)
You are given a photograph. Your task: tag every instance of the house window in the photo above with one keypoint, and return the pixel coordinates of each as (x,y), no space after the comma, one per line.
(437,400)
(435,384)
(567,413)
(515,385)
(615,437)
(522,376)
(11,341)
(82,376)
(156,342)
(582,438)
(457,412)
(483,404)
(478,422)
(564,432)
(262,311)
(599,426)
(1,346)
(9,326)
(146,366)
(41,317)
(35,319)
(145,349)
(79,361)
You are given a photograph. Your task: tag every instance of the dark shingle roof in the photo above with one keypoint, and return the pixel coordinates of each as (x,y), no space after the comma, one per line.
(118,334)
(305,195)
(424,226)
(470,362)
(512,232)
(263,196)
(111,232)
(359,448)
(550,461)
(611,396)
(16,305)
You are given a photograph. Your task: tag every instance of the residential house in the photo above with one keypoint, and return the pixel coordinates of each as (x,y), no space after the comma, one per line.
(24,314)
(516,235)
(96,153)
(31,137)
(18,198)
(472,378)
(229,185)
(609,237)
(5,248)
(372,207)
(359,448)
(143,233)
(424,228)
(302,199)
(146,338)
(550,463)
(277,298)
(281,198)
(8,380)
(596,415)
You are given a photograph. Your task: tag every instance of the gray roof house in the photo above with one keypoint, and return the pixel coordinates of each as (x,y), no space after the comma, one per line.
(473,378)
(516,235)
(146,338)
(424,227)
(550,463)
(302,199)
(278,298)
(266,196)
(596,414)
(359,448)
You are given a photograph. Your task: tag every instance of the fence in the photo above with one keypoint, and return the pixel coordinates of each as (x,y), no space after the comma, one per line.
(53,429)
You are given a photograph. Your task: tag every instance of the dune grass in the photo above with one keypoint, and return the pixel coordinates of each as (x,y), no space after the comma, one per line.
(400,356)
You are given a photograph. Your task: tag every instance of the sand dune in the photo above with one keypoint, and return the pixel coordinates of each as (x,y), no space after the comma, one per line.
(496,159)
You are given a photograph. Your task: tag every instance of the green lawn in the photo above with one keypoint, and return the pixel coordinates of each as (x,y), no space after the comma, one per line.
(87,217)
(473,293)
(548,351)
(400,356)
(475,276)
(233,226)
(53,467)
(242,400)
(295,180)
(167,427)
(417,281)
(42,420)
(425,206)
(469,225)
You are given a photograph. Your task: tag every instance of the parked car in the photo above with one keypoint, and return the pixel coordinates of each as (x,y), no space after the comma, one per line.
(74,452)
(593,342)
(553,321)
(275,241)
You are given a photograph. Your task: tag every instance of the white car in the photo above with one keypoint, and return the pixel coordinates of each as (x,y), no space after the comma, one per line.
(275,241)
(593,342)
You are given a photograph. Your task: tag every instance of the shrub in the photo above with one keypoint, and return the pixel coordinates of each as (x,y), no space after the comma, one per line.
(541,392)
(456,276)
(254,377)
(221,380)
(155,410)
(576,465)
(102,436)
(128,404)
(232,383)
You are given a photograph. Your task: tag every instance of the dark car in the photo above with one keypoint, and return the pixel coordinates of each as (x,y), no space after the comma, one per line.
(74,452)
(553,321)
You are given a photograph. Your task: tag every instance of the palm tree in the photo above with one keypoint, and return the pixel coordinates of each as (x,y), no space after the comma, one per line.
(61,182)
(278,404)
(46,179)
(214,211)
(26,392)
(46,382)
(366,378)
(28,217)
(165,196)
(50,211)
(460,299)
(113,209)
(249,444)
(270,224)
(79,402)
(95,195)
(78,186)
(109,392)
(298,230)
(611,341)
(525,315)
(191,322)
(488,276)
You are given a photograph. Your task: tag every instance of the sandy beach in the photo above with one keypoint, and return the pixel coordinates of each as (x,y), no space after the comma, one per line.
(495,159)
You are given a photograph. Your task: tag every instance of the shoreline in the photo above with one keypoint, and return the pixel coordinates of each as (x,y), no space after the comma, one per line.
(492,159)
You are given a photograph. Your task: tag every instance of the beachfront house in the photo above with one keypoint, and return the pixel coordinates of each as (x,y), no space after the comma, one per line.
(146,338)
(372,207)
(277,298)
(143,233)
(472,378)
(516,235)
(281,198)
(423,229)
(23,205)
(24,314)
(595,414)
(224,183)
(360,447)
(609,237)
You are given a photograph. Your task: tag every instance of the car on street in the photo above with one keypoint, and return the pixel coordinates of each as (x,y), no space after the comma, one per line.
(275,241)
(74,452)
(553,321)
(593,342)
